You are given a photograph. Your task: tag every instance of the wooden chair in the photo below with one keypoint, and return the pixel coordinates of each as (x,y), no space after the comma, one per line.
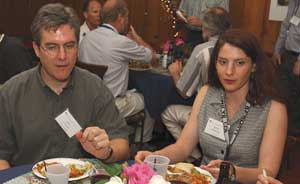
(96,69)
(135,120)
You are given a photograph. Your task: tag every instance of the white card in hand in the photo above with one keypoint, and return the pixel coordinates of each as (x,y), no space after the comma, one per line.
(181,16)
(68,123)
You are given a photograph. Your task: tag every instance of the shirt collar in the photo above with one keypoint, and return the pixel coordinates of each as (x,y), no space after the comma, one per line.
(214,38)
(112,27)
(70,84)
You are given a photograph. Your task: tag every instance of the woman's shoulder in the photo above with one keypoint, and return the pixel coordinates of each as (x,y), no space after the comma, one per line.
(277,106)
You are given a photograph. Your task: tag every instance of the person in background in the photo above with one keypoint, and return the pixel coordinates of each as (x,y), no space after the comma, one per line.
(193,10)
(14,57)
(194,75)
(31,101)
(239,116)
(287,53)
(267,180)
(91,13)
(109,46)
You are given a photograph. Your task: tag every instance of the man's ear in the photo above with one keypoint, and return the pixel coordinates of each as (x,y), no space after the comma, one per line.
(85,15)
(36,49)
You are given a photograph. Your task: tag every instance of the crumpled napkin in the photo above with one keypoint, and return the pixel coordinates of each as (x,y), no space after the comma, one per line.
(115,180)
(157,179)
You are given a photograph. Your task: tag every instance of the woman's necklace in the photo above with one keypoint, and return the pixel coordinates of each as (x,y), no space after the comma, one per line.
(227,126)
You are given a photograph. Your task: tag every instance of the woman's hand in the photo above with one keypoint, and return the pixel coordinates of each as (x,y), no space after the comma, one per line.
(267,180)
(141,155)
(213,167)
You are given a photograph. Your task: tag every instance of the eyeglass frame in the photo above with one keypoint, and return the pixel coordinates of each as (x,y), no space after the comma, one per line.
(56,48)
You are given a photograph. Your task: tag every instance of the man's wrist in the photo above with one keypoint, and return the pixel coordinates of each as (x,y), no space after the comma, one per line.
(109,154)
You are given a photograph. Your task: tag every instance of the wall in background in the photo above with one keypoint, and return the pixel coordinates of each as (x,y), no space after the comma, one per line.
(148,18)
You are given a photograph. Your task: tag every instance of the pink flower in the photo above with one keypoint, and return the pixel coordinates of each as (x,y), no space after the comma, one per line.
(138,173)
(166,46)
(179,41)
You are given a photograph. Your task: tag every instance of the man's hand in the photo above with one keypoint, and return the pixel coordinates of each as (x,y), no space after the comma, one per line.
(194,21)
(4,165)
(296,69)
(276,59)
(175,70)
(132,34)
(95,141)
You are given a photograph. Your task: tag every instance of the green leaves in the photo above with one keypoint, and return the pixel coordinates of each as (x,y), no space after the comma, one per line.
(113,169)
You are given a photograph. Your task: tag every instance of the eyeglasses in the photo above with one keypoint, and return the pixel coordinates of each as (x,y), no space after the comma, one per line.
(54,49)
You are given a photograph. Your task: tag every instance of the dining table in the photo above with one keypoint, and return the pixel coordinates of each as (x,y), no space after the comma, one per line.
(157,86)
(23,174)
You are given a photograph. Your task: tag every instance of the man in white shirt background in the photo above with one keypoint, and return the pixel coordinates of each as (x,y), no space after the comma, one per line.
(108,45)
(91,13)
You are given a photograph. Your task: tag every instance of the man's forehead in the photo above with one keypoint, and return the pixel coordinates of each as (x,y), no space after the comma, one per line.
(60,33)
(93,4)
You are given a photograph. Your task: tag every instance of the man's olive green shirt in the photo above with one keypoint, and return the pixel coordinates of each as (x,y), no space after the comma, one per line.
(28,107)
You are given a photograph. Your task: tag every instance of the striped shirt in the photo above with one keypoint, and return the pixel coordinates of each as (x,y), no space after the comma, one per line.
(195,72)
(197,7)
(289,36)
(245,149)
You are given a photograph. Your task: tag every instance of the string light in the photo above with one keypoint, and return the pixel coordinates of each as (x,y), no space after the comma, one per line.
(166,5)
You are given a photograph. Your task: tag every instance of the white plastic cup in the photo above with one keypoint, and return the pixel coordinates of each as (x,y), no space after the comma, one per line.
(58,174)
(158,163)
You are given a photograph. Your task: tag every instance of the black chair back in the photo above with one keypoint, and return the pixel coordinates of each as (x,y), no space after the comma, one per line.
(96,69)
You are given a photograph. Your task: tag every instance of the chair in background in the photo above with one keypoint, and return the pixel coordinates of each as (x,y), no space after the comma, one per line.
(292,142)
(136,120)
(95,69)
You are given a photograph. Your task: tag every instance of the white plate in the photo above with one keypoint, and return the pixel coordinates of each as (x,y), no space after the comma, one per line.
(202,171)
(63,161)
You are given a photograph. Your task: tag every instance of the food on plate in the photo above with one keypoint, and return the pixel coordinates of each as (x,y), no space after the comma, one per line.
(139,64)
(40,167)
(181,167)
(76,170)
(186,173)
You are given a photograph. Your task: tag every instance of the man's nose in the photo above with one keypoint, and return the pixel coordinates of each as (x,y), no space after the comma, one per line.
(62,53)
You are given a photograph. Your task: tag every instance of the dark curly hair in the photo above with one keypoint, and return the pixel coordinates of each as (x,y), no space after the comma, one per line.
(263,82)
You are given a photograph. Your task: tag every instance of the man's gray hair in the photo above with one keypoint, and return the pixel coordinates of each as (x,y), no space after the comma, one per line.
(216,20)
(111,13)
(50,17)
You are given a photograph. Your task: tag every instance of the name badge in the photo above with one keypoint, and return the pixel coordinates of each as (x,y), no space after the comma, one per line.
(295,20)
(68,123)
(215,128)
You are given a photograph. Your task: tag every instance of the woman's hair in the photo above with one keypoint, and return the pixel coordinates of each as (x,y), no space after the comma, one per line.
(263,82)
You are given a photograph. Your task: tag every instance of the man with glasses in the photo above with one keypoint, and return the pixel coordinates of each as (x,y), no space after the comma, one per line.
(31,102)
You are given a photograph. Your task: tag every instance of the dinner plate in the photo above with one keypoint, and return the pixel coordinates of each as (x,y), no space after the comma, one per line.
(202,171)
(64,161)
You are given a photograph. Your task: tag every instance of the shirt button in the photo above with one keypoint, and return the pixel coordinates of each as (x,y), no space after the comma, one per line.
(222,152)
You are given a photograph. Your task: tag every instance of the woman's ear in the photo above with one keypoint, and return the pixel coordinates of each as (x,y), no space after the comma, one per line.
(253,68)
